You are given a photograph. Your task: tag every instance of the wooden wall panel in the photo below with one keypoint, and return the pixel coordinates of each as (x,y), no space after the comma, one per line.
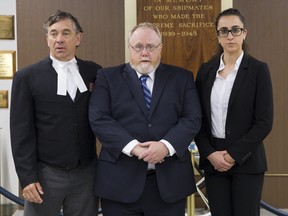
(275,191)
(266,24)
(102,22)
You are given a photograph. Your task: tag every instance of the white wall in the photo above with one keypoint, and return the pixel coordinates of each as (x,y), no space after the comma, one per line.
(225,4)
(130,21)
(8,178)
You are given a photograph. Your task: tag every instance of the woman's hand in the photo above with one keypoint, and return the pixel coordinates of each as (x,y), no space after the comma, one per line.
(217,159)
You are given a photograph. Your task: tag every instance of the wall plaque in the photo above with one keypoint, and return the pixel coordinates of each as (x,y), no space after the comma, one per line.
(7,27)
(187,28)
(3,98)
(7,64)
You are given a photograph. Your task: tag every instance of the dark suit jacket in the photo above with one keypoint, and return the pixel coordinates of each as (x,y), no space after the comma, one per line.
(118,115)
(46,127)
(249,116)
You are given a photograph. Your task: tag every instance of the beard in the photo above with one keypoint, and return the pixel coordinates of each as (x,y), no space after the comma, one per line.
(144,68)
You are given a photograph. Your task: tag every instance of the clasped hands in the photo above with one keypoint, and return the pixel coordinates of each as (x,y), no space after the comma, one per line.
(151,152)
(221,160)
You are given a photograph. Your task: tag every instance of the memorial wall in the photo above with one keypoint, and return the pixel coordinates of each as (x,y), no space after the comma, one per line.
(187,28)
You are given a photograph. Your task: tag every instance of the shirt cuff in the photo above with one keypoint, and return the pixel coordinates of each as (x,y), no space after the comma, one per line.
(169,146)
(128,148)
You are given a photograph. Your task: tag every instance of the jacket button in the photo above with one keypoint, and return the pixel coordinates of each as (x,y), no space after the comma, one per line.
(228,132)
(149,125)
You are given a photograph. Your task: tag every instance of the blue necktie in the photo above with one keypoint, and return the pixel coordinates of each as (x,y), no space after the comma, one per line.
(146,91)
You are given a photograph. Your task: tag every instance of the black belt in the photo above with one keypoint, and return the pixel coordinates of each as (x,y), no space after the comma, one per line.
(66,168)
(150,172)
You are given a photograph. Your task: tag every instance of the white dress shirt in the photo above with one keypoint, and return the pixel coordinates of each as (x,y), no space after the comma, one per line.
(220,95)
(128,148)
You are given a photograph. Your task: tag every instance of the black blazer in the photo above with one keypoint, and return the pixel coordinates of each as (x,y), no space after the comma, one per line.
(249,117)
(46,127)
(118,115)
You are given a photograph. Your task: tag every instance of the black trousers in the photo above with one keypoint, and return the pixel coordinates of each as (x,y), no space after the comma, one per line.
(149,204)
(234,194)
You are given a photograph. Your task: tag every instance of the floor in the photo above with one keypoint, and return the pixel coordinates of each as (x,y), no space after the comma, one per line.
(197,213)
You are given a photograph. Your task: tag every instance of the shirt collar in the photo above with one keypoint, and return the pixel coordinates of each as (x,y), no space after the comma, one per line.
(151,74)
(238,61)
(236,66)
(63,63)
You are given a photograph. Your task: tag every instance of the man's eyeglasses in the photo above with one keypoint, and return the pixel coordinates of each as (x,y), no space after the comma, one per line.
(149,47)
(234,31)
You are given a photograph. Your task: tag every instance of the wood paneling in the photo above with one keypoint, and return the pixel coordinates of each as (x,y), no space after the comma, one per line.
(266,24)
(275,191)
(102,22)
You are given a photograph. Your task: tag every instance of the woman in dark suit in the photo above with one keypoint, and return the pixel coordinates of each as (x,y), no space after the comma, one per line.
(236,95)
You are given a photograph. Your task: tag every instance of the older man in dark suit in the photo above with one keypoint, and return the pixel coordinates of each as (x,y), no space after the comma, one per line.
(52,141)
(145,115)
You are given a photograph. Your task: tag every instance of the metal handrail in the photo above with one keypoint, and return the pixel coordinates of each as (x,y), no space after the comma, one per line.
(272,209)
(11,196)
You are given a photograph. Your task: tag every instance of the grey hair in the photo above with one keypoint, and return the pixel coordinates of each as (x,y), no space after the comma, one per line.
(146,25)
(62,15)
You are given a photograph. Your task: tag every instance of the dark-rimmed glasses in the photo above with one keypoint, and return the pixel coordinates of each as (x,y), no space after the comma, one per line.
(224,32)
(149,47)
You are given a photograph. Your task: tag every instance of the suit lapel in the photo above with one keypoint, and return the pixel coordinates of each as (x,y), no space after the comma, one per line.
(211,74)
(82,70)
(241,75)
(161,76)
(133,83)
